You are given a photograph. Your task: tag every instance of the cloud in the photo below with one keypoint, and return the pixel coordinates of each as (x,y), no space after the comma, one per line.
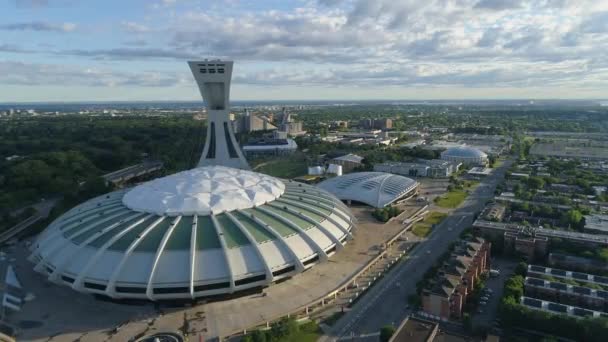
(134,27)
(39,26)
(132,53)
(596,23)
(499,5)
(33,74)
(468,43)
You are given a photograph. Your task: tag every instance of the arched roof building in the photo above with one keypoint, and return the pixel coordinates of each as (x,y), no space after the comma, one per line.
(377,189)
(206,231)
(465,155)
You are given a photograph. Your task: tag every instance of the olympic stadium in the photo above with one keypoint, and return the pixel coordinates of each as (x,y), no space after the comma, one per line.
(215,229)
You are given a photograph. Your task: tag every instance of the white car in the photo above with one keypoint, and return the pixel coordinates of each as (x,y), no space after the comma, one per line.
(483,303)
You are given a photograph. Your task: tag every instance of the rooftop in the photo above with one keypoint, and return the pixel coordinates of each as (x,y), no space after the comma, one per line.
(353,158)
(597,222)
(377,189)
(202,191)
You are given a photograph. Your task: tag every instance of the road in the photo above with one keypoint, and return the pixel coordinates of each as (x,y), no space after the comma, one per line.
(43,209)
(385,303)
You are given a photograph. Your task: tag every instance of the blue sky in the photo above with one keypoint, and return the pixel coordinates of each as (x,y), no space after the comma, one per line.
(76,50)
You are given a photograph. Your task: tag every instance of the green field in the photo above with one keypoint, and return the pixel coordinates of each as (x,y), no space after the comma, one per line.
(452,199)
(424,227)
(285,167)
(455,197)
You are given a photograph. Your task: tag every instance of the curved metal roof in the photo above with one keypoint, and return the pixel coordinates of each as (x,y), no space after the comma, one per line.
(377,189)
(463,152)
(106,246)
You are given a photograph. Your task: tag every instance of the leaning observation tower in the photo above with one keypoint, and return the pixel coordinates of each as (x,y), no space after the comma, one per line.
(221,147)
(215,229)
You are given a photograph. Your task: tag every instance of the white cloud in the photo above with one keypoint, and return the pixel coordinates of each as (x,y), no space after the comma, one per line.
(39,26)
(35,74)
(134,27)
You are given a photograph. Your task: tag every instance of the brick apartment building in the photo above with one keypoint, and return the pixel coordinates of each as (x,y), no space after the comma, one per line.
(448,291)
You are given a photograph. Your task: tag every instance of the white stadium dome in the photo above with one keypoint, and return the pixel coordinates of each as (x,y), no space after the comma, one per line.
(377,189)
(465,155)
(206,231)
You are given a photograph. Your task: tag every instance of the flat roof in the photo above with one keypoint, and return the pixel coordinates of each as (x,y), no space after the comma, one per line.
(596,222)
(414,329)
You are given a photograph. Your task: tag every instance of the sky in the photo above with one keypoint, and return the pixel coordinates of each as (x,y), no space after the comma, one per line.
(136,50)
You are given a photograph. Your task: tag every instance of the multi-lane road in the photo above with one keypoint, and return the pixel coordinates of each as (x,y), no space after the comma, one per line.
(386,302)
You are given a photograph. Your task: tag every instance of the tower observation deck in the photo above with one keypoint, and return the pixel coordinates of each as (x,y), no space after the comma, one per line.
(221,148)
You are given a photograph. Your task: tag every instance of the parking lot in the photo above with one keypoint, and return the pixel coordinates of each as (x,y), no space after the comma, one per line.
(486,314)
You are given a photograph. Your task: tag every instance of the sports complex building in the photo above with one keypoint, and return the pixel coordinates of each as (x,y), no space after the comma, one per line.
(376,189)
(215,229)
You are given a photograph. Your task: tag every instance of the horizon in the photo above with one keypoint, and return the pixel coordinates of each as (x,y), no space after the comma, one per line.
(297,50)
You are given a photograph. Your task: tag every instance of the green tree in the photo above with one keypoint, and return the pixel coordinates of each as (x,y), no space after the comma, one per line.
(386,332)
(536,182)
(573,218)
(521,269)
(259,336)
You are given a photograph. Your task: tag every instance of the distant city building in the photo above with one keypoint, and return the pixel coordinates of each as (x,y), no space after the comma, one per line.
(422,168)
(383,124)
(448,292)
(466,155)
(288,125)
(349,162)
(252,123)
(270,147)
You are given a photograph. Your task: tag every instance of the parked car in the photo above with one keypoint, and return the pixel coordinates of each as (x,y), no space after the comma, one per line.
(483,303)
(485,298)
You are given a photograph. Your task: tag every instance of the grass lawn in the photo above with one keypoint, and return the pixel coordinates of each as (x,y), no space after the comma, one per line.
(453,198)
(424,227)
(309,332)
(285,167)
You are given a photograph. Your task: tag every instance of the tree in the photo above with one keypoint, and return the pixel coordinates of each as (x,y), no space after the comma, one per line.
(386,332)
(284,328)
(536,182)
(521,269)
(573,218)
(259,336)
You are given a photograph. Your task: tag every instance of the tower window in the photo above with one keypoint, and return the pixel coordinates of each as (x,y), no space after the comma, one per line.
(211,152)
(231,149)
(220,70)
(212,71)
(203,71)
